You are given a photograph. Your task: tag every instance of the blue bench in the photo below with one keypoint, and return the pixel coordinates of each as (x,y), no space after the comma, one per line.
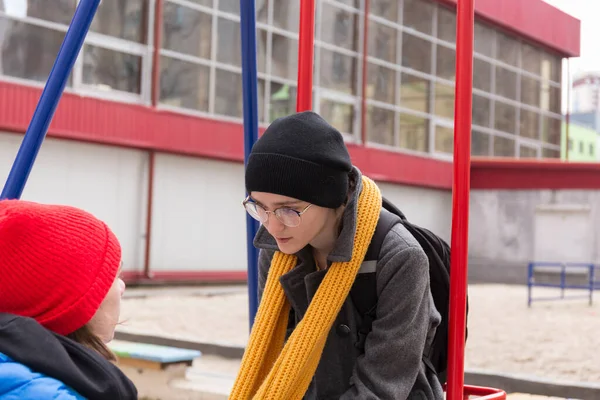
(142,355)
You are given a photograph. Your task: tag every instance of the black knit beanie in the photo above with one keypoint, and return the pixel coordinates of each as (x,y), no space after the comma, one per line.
(303,157)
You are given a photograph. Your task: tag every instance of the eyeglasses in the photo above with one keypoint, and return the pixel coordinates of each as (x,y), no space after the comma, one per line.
(287,216)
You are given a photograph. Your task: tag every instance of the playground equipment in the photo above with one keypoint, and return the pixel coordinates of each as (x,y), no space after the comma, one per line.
(456,390)
(545,274)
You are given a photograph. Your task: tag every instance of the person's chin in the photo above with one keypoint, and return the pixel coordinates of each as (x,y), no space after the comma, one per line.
(288,245)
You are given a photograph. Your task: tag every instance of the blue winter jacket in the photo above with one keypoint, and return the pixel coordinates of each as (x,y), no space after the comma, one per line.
(19,382)
(38,364)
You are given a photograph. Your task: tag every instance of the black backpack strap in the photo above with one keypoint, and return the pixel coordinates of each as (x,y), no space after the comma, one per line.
(386,221)
(364,290)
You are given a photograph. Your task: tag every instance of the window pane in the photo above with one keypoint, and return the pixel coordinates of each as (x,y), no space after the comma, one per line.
(282,100)
(339,115)
(229,48)
(380,126)
(338,71)
(545,95)
(551,129)
(506,83)
(262,10)
(381,83)
(125,19)
(550,153)
(507,49)
(531,59)
(418,15)
(230,6)
(482,75)
(444,101)
(227,94)
(414,92)
(28,51)
(530,91)
(416,53)
(382,42)
(444,139)
(527,152)
(555,66)
(339,27)
(505,117)
(385,8)
(484,40)
(503,147)
(480,143)
(105,68)
(414,133)
(62,11)
(555,100)
(186,31)
(286,14)
(530,124)
(446,63)
(284,57)
(184,84)
(446,24)
(481,111)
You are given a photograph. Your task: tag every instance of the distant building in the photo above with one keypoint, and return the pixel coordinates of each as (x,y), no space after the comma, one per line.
(586,93)
(582,143)
(589,119)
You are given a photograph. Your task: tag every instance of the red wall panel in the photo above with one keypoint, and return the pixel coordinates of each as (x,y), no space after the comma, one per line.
(143,127)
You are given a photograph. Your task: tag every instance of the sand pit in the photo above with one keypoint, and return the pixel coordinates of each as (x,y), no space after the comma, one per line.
(552,339)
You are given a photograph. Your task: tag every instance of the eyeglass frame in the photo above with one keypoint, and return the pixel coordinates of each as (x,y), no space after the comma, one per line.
(300,213)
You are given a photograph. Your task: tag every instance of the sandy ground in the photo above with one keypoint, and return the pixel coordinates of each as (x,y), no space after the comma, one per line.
(555,340)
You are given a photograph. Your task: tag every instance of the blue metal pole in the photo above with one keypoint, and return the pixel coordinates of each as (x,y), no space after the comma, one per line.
(36,132)
(250,97)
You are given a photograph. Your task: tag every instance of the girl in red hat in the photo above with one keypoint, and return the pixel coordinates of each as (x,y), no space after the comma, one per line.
(60,298)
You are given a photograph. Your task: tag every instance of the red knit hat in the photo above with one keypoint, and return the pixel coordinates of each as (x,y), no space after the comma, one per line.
(57,263)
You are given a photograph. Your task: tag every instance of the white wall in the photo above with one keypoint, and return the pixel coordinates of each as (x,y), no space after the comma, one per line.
(198,221)
(429,208)
(510,228)
(109,182)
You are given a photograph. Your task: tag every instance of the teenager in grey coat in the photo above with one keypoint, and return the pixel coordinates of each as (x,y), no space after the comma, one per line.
(391,366)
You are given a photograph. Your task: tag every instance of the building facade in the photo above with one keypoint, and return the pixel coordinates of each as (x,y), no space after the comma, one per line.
(153,107)
(581,143)
(410,70)
(586,93)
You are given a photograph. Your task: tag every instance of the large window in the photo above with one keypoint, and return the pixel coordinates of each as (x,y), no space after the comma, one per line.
(410,67)
(337,74)
(411,77)
(114,59)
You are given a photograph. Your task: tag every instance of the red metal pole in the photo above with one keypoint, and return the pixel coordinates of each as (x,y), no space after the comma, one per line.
(365,55)
(158,18)
(306,45)
(460,198)
(568,118)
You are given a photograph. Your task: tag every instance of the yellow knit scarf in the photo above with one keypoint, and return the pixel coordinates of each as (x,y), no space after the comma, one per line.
(270,370)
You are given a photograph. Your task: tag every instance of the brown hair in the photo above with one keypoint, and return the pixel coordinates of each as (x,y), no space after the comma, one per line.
(89,339)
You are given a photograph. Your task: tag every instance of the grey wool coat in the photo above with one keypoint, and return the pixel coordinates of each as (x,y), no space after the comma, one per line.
(391,367)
